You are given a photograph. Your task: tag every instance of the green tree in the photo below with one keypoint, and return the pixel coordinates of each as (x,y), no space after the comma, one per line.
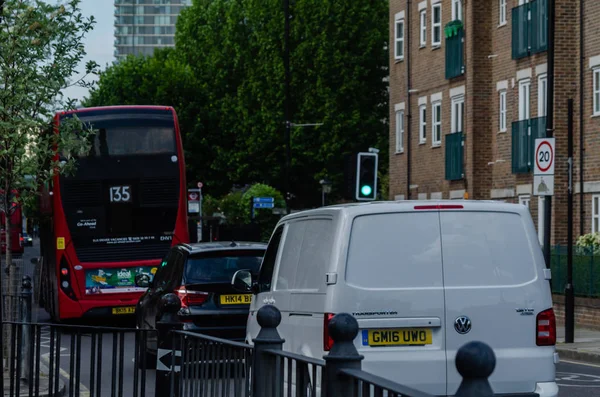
(40,49)
(338,67)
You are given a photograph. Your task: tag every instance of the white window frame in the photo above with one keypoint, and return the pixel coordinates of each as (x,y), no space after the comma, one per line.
(525,199)
(503,9)
(423,28)
(541,219)
(400,131)
(595,212)
(542,95)
(423,124)
(457,114)
(457,10)
(436,108)
(399,41)
(436,25)
(502,111)
(524,99)
(596,90)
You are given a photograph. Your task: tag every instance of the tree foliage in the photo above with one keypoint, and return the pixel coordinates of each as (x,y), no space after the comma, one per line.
(230,98)
(40,49)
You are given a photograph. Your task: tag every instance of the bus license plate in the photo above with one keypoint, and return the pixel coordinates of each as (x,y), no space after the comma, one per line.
(397,337)
(123,310)
(236,299)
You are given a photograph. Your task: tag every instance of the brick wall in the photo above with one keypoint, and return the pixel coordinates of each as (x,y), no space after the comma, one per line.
(587,312)
(488,152)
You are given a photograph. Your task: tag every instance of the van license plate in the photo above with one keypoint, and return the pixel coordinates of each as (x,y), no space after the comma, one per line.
(397,337)
(236,299)
(123,310)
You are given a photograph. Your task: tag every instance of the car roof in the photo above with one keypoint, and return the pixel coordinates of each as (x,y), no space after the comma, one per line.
(196,248)
(378,207)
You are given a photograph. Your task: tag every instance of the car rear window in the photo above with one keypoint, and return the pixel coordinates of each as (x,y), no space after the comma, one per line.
(219,267)
(486,249)
(393,251)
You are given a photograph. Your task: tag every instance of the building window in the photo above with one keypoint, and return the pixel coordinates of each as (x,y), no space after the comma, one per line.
(400,39)
(524,87)
(597,92)
(400,132)
(542,95)
(502,111)
(595,213)
(436,127)
(436,25)
(521,2)
(502,12)
(457,10)
(423,32)
(457,114)
(423,124)
(525,200)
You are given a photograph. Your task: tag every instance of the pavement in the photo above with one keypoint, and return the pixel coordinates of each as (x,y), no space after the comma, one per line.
(44,381)
(586,347)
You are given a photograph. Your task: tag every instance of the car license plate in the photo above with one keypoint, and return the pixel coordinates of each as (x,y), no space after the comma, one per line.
(236,299)
(397,337)
(123,310)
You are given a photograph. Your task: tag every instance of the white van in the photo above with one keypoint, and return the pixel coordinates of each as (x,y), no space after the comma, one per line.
(422,279)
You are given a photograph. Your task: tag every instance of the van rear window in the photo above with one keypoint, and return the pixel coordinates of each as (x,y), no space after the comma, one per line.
(486,249)
(394,251)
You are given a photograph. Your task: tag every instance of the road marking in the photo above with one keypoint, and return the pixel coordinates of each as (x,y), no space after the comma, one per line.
(83,391)
(577,380)
(580,363)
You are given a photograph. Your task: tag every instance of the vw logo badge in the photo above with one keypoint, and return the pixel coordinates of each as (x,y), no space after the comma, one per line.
(462,325)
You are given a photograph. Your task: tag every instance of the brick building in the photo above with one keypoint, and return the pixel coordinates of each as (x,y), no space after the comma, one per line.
(468,97)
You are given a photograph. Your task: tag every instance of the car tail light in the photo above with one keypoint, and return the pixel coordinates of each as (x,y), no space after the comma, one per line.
(191,298)
(546,328)
(439,207)
(327,340)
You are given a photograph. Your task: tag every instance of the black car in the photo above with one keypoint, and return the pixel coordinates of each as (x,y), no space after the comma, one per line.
(200,274)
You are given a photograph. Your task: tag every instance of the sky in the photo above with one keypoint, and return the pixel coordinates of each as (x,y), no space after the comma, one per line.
(99,43)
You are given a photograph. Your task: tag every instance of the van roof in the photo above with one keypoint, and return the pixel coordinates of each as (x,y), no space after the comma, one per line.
(376,207)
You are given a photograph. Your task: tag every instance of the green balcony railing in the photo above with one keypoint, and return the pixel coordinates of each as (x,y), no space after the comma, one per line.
(455,64)
(529,29)
(524,134)
(454,156)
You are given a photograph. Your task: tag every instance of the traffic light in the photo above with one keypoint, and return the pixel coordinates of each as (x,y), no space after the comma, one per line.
(366,177)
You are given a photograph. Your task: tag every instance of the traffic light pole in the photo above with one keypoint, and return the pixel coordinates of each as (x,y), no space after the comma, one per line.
(288,124)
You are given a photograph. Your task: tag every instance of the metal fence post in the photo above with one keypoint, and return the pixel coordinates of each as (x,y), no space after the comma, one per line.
(263,364)
(475,362)
(26,313)
(168,354)
(343,329)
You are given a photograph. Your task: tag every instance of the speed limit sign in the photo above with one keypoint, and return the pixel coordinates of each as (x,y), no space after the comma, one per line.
(544,156)
(543,171)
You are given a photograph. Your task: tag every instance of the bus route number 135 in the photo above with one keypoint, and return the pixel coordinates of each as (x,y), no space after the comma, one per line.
(120,194)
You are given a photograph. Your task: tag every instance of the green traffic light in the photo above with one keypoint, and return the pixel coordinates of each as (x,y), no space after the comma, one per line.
(366,190)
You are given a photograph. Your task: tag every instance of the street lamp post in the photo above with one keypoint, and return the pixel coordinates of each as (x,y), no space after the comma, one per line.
(325,188)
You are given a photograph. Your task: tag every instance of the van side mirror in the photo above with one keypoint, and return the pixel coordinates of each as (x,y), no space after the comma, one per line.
(242,281)
(143,281)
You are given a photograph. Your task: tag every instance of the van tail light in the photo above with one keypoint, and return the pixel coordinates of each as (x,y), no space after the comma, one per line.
(546,328)
(327,340)
(439,207)
(191,298)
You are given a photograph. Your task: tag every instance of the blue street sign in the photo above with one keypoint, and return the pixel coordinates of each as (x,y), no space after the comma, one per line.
(264,205)
(264,200)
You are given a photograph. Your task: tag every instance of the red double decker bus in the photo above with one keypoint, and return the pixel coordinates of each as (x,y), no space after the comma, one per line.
(117,216)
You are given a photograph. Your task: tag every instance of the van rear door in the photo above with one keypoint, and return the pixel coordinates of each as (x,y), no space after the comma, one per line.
(394,288)
(494,289)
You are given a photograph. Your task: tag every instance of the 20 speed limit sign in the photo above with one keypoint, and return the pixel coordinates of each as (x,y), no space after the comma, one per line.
(544,156)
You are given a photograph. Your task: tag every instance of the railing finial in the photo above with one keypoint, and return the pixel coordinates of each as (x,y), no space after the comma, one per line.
(475,362)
